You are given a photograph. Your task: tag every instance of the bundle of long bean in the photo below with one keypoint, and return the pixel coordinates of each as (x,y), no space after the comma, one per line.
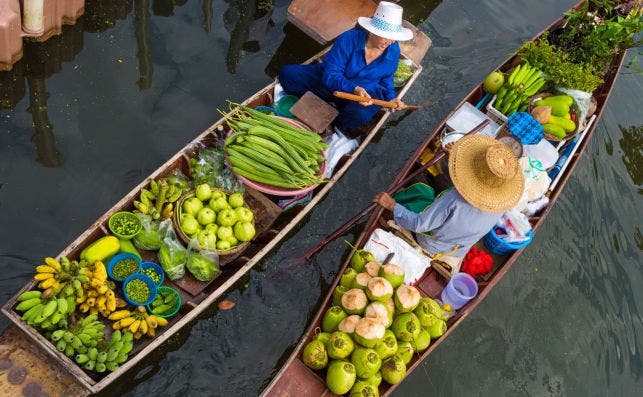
(267,150)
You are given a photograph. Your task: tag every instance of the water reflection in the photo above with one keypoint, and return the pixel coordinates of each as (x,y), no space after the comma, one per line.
(165,8)
(632,147)
(144,54)
(206,6)
(248,21)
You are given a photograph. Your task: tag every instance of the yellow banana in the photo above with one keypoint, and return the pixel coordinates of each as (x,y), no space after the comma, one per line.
(53,263)
(143,327)
(120,315)
(127,321)
(160,321)
(93,310)
(92,293)
(43,276)
(84,307)
(116,325)
(91,302)
(111,303)
(95,282)
(138,335)
(47,283)
(151,322)
(101,300)
(99,271)
(134,326)
(81,299)
(45,269)
(151,332)
(102,289)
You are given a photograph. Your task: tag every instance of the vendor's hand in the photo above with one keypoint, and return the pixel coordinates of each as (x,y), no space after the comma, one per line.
(362,92)
(399,103)
(385,201)
(448,147)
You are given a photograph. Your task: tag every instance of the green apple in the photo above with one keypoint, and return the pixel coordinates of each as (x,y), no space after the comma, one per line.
(223,245)
(192,206)
(244,214)
(232,240)
(218,204)
(226,217)
(207,239)
(206,215)
(203,192)
(189,225)
(244,231)
(224,232)
(236,200)
(218,193)
(212,227)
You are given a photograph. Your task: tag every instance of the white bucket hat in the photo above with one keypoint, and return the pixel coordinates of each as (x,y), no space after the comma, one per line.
(387,22)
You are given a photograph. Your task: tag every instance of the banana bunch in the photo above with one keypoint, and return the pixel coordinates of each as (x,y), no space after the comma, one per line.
(107,357)
(45,313)
(138,322)
(522,83)
(64,276)
(159,200)
(79,339)
(99,294)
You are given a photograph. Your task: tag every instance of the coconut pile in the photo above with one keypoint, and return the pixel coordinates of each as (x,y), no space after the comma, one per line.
(372,329)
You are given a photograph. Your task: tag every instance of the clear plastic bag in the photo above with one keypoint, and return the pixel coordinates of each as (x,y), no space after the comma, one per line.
(209,167)
(150,237)
(178,178)
(203,264)
(172,254)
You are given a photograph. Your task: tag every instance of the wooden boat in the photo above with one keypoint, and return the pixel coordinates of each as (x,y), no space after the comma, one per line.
(25,350)
(296,379)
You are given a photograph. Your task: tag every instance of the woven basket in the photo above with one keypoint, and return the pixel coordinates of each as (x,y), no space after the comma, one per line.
(177,224)
(573,110)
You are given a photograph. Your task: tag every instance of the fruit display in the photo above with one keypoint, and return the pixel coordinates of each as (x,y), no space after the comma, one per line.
(373,328)
(158,201)
(108,355)
(99,296)
(218,221)
(521,84)
(553,112)
(45,313)
(267,150)
(86,334)
(138,322)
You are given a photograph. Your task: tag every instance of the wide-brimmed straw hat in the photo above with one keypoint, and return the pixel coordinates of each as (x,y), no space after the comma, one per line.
(387,22)
(486,173)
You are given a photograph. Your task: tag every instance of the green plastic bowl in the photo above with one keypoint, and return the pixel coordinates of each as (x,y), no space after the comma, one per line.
(162,289)
(125,215)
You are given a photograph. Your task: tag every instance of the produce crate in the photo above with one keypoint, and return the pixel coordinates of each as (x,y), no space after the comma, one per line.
(494,113)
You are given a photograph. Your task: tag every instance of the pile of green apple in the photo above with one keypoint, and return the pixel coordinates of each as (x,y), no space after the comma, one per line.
(218,221)
(372,329)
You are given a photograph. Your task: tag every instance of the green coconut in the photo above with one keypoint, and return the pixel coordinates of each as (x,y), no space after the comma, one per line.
(368,332)
(361,280)
(422,341)
(437,329)
(338,292)
(393,273)
(364,389)
(372,268)
(390,305)
(348,324)
(393,370)
(348,277)
(340,377)
(379,289)
(315,355)
(354,301)
(360,259)
(380,312)
(340,345)
(374,380)
(332,318)
(424,313)
(437,310)
(405,351)
(387,347)
(406,298)
(406,326)
(366,361)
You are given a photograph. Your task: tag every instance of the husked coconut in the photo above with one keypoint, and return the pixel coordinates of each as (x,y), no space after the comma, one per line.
(393,273)
(361,280)
(368,332)
(379,289)
(354,301)
(348,324)
(406,298)
(373,268)
(380,312)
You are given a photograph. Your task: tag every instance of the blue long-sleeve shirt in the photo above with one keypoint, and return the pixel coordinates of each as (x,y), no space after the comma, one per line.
(451,220)
(345,66)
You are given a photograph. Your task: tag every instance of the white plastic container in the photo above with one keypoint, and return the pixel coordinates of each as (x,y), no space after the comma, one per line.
(467,116)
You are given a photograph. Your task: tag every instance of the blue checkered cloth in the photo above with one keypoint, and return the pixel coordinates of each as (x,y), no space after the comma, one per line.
(525,128)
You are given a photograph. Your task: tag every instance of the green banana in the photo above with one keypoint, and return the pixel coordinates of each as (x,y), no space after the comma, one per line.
(25,296)
(535,87)
(154,187)
(513,75)
(28,304)
(82,358)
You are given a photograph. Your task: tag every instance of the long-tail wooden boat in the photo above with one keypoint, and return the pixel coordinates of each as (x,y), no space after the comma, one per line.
(25,350)
(296,379)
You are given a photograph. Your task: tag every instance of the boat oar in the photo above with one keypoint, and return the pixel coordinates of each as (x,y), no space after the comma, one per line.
(385,104)
(348,224)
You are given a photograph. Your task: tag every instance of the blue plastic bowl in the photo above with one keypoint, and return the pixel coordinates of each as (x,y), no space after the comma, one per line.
(498,246)
(157,268)
(146,280)
(119,257)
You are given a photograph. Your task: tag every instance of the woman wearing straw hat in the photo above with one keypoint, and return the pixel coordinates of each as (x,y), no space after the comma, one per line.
(487,181)
(361,61)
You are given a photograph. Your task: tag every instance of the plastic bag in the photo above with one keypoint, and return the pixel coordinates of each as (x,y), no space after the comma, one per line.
(150,237)
(172,254)
(178,178)
(202,263)
(210,167)
(582,100)
(536,182)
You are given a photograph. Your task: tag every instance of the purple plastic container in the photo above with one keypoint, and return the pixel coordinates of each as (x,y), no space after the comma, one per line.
(460,290)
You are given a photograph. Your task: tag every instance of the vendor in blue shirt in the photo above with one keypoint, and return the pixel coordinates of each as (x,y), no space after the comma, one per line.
(361,61)
(487,181)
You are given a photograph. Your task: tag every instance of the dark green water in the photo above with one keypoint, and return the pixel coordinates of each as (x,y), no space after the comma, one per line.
(90,113)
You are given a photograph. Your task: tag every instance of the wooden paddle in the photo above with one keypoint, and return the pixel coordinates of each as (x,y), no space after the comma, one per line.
(348,224)
(385,104)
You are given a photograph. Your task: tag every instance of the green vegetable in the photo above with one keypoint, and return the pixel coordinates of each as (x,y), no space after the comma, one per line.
(554,130)
(101,249)
(173,257)
(124,268)
(202,267)
(128,247)
(151,273)
(137,290)
(149,238)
